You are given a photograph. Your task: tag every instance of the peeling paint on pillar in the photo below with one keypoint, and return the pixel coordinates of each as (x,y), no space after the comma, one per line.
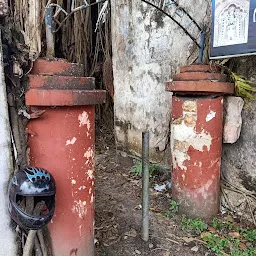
(196,154)
(73,171)
(64,145)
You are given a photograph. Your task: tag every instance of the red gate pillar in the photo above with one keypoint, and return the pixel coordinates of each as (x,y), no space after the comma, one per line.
(62,142)
(196,139)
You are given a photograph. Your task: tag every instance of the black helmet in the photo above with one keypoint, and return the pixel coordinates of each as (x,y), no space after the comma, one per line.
(32,197)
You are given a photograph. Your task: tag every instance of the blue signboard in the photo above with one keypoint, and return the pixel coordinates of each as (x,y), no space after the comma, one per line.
(233,28)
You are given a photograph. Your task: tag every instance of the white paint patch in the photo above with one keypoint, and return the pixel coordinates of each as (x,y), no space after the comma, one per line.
(210,116)
(179,158)
(92,199)
(187,134)
(90,191)
(205,188)
(73,182)
(79,208)
(89,154)
(184,136)
(84,120)
(82,188)
(90,174)
(71,142)
(80,230)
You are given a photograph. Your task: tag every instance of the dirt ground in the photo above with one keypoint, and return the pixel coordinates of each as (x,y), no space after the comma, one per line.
(118,214)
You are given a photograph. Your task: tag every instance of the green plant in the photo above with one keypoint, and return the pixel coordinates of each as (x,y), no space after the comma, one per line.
(249,235)
(248,252)
(243,86)
(174,207)
(214,243)
(221,225)
(235,245)
(137,169)
(196,225)
(167,214)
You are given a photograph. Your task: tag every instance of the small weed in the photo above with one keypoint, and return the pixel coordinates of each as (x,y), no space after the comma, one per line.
(137,169)
(243,87)
(221,225)
(236,246)
(174,207)
(248,252)
(215,243)
(167,214)
(249,235)
(196,225)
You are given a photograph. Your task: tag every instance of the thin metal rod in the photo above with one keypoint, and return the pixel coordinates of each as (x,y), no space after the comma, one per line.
(145,186)
(201,50)
(49,32)
(173,19)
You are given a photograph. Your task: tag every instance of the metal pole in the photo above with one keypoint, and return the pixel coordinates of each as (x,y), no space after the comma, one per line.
(201,50)
(49,32)
(145,186)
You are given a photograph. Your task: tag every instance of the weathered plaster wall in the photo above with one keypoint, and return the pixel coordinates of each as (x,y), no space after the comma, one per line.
(7,239)
(238,161)
(148,48)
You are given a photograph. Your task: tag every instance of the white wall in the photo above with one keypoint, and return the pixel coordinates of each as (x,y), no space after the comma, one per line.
(7,239)
(148,48)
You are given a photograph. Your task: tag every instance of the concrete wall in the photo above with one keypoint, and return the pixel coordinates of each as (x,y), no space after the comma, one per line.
(148,48)
(7,239)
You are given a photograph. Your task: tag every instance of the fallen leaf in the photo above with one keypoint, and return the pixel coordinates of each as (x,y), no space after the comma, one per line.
(242,246)
(211,229)
(235,234)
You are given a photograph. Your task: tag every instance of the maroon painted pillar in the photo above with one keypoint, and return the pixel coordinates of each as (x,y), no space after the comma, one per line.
(196,138)
(62,141)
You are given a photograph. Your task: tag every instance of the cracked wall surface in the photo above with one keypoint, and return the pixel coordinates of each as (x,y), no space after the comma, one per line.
(148,48)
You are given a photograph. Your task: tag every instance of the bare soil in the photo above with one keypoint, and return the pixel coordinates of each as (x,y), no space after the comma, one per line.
(118,213)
